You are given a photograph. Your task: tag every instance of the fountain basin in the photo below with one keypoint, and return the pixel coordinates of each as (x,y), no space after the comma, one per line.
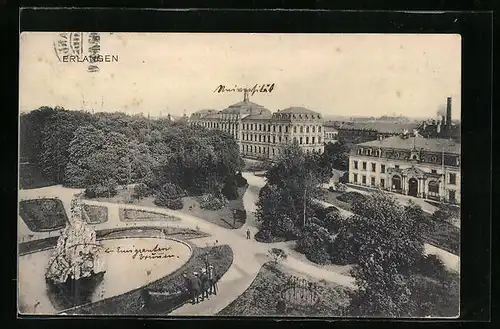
(130,263)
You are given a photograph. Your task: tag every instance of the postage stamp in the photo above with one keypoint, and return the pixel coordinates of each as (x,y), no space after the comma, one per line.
(80,47)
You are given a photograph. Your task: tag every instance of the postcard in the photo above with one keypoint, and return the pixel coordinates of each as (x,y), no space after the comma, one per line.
(239,174)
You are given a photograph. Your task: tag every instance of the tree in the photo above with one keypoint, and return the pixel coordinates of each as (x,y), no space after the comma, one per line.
(141,190)
(389,245)
(273,213)
(294,182)
(315,243)
(336,156)
(86,141)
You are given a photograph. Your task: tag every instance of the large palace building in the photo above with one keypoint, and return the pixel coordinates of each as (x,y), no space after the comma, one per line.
(420,167)
(261,133)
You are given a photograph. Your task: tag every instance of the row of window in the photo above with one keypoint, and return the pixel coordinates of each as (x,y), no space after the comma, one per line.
(452,177)
(268,150)
(260,127)
(449,160)
(433,186)
(295,116)
(376,152)
(260,138)
(373,166)
(268,127)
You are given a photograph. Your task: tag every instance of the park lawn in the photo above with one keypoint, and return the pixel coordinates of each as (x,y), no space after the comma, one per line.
(42,215)
(261,298)
(221,257)
(137,215)
(332,197)
(222,217)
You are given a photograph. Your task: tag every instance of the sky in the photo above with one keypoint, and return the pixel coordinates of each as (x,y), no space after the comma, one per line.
(176,73)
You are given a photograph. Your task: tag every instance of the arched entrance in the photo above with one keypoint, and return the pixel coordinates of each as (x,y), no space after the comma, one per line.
(433,190)
(413,187)
(396,183)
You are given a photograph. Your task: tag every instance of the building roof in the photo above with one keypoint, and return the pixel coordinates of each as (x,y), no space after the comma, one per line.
(426,144)
(330,129)
(298,110)
(263,115)
(381,127)
(244,107)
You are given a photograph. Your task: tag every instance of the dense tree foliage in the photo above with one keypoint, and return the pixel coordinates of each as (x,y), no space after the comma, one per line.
(336,156)
(84,150)
(292,184)
(389,245)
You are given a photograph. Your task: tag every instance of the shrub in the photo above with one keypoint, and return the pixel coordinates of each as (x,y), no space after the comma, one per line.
(277,254)
(340,187)
(343,250)
(212,202)
(314,243)
(265,235)
(344,179)
(351,197)
(141,191)
(431,266)
(239,214)
(331,189)
(174,204)
(101,191)
(169,196)
(230,190)
(172,191)
(240,180)
(334,221)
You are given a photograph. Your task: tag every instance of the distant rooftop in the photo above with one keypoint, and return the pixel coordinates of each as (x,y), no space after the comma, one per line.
(426,144)
(381,127)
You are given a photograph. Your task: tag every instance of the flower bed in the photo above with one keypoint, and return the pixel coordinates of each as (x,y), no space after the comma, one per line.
(95,214)
(262,297)
(134,215)
(43,214)
(351,197)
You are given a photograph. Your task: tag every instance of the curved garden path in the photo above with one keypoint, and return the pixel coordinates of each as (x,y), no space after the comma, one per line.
(249,255)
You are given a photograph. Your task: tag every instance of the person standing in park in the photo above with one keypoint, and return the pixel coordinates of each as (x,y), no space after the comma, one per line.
(204,284)
(212,280)
(206,261)
(195,288)
(187,284)
(146,298)
(248,234)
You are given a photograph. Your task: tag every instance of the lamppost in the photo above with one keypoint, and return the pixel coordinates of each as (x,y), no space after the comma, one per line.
(305,195)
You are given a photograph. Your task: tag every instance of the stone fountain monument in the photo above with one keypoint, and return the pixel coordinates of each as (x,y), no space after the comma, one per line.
(75,268)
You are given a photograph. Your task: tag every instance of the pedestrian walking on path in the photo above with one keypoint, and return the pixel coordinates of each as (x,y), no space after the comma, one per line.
(248,234)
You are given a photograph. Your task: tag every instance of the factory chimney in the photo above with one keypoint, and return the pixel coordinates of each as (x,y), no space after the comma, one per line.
(448,112)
